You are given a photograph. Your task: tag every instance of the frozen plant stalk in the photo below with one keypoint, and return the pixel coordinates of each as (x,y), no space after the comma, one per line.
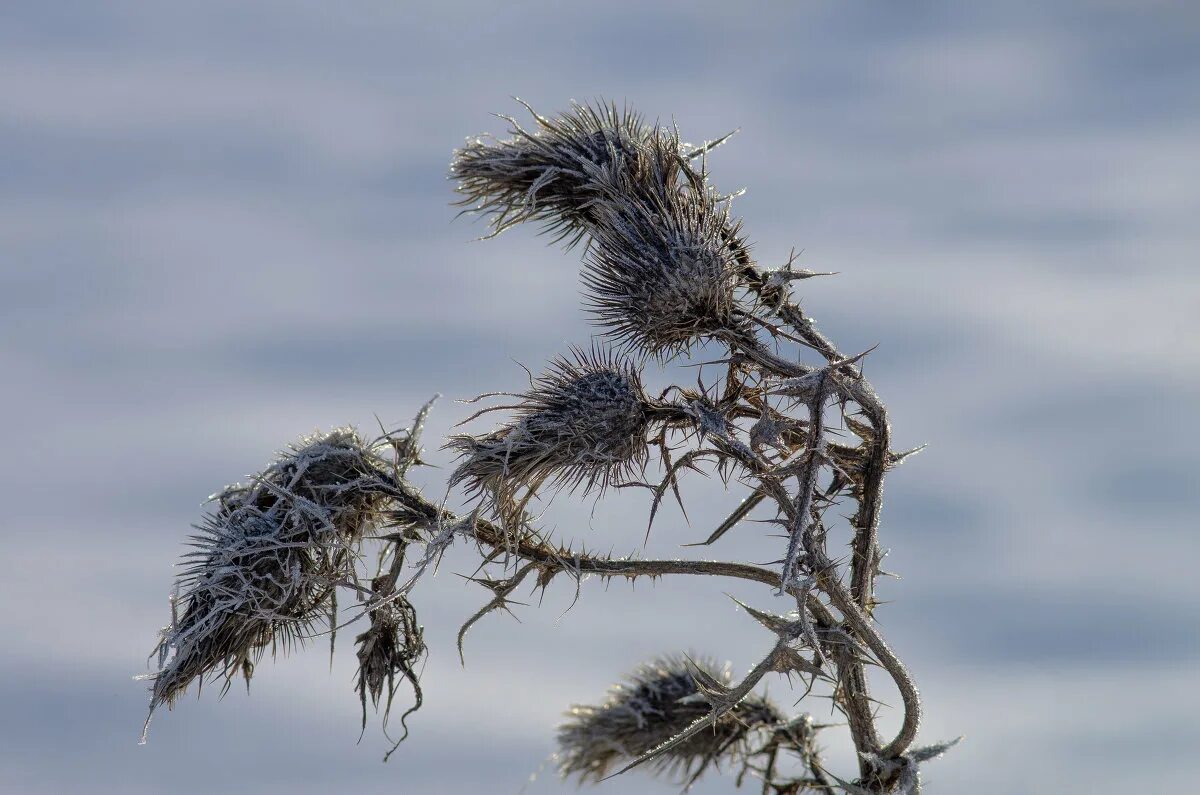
(666,275)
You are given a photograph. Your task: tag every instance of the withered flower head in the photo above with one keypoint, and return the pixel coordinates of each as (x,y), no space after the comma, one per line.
(554,172)
(268,558)
(582,424)
(656,702)
(390,647)
(661,274)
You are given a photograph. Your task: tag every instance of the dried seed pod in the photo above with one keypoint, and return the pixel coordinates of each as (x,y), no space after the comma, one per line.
(661,275)
(556,172)
(267,560)
(391,646)
(582,424)
(656,702)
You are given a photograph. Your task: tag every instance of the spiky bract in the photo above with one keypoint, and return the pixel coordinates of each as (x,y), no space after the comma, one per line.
(268,559)
(661,274)
(557,172)
(582,423)
(656,702)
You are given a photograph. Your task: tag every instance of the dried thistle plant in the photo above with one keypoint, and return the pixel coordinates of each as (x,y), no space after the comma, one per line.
(666,267)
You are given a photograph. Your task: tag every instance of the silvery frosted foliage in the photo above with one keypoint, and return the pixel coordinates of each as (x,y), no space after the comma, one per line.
(656,702)
(581,424)
(268,558)
(660,273)
(556,172)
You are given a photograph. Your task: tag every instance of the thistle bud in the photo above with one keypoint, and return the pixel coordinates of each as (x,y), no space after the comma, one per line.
(268,558)
(582,424)
(554,173)
(661,274)
(658,701)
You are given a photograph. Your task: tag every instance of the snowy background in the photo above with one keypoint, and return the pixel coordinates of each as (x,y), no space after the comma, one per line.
(226,224)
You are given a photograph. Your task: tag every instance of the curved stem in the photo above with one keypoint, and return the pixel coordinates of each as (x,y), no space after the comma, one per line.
(864,565)
(860,622)
(858,703)
(541,553)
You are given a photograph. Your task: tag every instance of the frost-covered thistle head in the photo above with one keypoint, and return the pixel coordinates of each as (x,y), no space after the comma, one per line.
(661,273)
(656,702)
(268,558)
(582,423)
(554,172)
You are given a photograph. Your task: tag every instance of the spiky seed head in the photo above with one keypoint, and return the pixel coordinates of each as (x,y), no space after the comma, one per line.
(661,274)
(656,702)
(555,172)
(582,424)
(268,557)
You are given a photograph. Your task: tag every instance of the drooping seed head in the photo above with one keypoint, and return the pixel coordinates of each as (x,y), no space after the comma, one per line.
(267,559)
(390,648)
(582,424)
(661,274)
(656,702)
(555,172)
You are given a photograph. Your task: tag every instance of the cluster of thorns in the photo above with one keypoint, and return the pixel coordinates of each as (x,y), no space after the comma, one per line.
(666,272)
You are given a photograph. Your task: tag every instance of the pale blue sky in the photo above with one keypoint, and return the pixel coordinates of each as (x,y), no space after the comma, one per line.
(225,224)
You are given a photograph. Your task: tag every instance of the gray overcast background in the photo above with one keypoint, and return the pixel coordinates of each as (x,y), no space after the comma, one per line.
(225,224)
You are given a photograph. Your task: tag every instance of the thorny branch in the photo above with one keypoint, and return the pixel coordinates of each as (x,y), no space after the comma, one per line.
(865,557)
(666,270)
